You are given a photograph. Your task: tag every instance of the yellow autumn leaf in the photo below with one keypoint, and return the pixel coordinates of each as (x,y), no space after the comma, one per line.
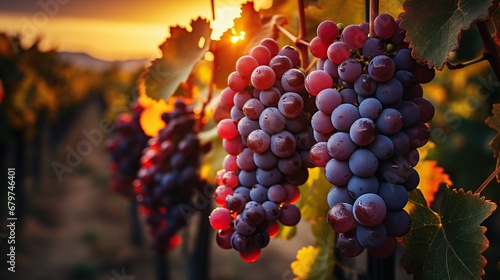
(431,176)
(306,258)
(150,120)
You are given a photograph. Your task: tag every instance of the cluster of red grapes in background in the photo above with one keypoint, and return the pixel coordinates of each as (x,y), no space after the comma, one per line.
(169,174)
(125,150)
(267,138)
(370,121)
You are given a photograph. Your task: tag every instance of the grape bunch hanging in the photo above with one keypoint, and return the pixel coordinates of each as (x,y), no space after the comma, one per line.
(125,150)
(370,121)
(169,174)
(267,138)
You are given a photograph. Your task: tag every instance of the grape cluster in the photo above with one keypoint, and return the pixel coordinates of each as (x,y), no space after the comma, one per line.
(267,138)
(169,174)
(370,121)
(125,149)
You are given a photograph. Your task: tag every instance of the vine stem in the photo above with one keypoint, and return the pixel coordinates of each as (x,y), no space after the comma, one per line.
(454,66)
(490,52)
(302,34)
(373,14)
(292,37)
(487,181)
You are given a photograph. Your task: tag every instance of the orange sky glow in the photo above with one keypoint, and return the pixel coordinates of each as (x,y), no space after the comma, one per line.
(114,30)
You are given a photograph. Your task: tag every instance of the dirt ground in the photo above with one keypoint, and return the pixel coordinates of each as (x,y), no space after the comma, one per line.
(78,229)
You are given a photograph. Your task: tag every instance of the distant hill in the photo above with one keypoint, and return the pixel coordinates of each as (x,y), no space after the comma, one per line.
(84,60)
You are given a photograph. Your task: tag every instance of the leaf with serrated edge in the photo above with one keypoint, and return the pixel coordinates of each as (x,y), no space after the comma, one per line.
(316,262)
(494,123)
(431,177)
(447,244)
(180,54)
(433,27)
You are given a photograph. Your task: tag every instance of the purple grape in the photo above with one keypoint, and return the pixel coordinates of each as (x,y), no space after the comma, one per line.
(364,85)
(338,172)
(390,92)
(268,177)
(327,100)
(338,195)
(272,210)
(369,209)
(277,194)
(291,104)
(363,131)
(283,144)
(343,116)
(349,70)
(395,196)
(403,59)
(381,68)
(410,113)
(358,186)
(373,47)
(322,123)
(265,160)
(371,237)
(390,121)
(258,193)
(397,223)
(348,245)
(290,215)
(340,146)
(370,108)
(382,147)
(290,165)
(271,120)
(340,217)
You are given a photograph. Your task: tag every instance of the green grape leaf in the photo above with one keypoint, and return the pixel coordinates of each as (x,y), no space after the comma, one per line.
(435,32)
(447,244)
(180,54)
(494,123)
(249,29)
(313,203)
(316,262)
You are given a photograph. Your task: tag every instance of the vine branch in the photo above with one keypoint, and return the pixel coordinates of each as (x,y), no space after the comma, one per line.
(302,34)
(292,37)
(454,66)
(490,52)
(487,181)
(373,14)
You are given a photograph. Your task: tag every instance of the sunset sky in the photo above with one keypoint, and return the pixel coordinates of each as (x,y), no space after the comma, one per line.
(110,29)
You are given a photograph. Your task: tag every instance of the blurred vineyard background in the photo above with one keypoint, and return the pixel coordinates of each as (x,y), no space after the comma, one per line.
(76,228)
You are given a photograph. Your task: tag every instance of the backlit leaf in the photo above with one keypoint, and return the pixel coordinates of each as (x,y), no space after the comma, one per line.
(150,120)
(447,244)
(494,123)
(431,177)
(434,32)
(180,53)
(316,262)
(249,29)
